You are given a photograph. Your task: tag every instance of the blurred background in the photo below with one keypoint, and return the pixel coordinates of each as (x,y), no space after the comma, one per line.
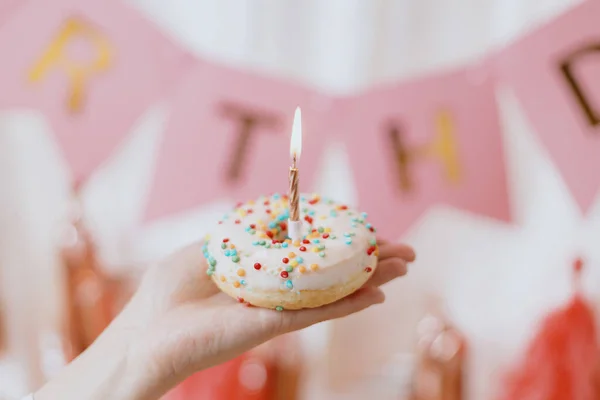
(493,281)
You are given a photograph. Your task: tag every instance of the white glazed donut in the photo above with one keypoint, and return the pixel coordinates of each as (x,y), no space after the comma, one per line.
(251,259)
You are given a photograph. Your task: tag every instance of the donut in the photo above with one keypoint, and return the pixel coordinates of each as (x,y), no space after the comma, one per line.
(251,258)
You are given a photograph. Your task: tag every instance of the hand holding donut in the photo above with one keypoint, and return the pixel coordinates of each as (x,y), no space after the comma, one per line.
(178,322)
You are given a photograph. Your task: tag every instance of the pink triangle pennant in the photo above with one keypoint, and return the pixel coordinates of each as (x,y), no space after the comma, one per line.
(92,67)
(229,136)
(7,7)
(554,73)
(431,141)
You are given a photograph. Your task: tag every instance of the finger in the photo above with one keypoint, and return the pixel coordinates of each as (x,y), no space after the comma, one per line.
(182,276)
(397,250)
(387,270)
(361,299)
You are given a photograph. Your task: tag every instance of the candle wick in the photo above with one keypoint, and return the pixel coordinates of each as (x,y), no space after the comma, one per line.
(294,161)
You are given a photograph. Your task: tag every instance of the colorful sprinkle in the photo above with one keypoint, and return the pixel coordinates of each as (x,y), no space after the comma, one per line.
(212,262)
(300,260)
(289,284)
(373,242)
(294,263)
(289,268)
(236,284)
(223,279)
(240,300)
(285,260)
(284,274)
(320,229)
(322,254)
(241,272)
(235,259)
(243,282)
(348,241)
(284,245)
(210,272)
(227,253)
(302,248)
(223,246)
(368,269)
(306,241)
(316,241)
(314,267)
(257,266)
(292,255)
(302,269)
(296,243)
(225,240)
(279,308)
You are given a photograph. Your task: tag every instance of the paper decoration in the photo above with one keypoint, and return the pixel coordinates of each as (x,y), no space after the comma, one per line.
(229,137)
(554,72)
(6,7)
(92,67)
(247,377)
(89,303)
(563,360)
(431,141)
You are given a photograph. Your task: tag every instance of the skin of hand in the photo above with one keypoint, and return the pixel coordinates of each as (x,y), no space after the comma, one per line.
(178,323)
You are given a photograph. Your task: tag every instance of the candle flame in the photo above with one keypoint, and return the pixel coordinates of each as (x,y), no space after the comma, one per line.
(296,141)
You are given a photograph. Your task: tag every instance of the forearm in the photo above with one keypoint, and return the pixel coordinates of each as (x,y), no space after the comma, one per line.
(104,371)
(99,373)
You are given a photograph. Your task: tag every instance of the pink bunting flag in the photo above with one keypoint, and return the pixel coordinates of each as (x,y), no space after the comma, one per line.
(229,137)
(431,141)
(554,73)
(92,67)
(6,7)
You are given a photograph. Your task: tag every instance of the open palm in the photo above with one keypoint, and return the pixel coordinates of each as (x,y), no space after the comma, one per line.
(179,323)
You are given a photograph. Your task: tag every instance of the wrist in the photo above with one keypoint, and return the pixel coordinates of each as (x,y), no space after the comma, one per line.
(103,371)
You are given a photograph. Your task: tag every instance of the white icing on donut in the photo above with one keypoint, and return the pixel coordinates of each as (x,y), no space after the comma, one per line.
(338,244)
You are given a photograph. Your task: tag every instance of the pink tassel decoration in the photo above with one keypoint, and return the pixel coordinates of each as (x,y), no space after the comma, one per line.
(562,361)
